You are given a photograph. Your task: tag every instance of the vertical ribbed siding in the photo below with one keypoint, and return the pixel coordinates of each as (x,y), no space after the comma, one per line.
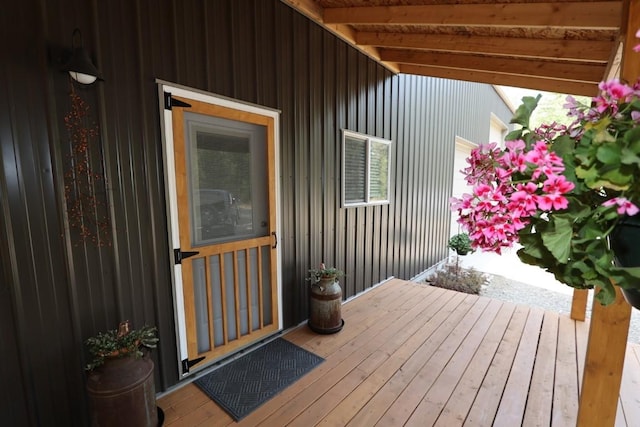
(55,294)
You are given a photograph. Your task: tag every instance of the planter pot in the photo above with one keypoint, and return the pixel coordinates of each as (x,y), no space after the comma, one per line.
(122,393)
(624,240)
(325,306)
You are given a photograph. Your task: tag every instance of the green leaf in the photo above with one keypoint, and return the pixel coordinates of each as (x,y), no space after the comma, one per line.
(609,154)
(586,272)
(524,111)
(632,138)
(558,239)
(603,263)
(564,146)
(607,294)
(533,247)
(629,157)
(615,179)
(599,130)
(587,173)
(633,272)
(514,134)
(595,178)
(603,136)
(585,154)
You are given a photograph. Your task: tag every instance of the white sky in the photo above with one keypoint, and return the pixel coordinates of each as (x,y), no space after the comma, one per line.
(515,94)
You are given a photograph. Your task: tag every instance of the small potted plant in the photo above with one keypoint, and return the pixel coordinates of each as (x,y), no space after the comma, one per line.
(461,244)
(120,377)
(325,301)
(121,342)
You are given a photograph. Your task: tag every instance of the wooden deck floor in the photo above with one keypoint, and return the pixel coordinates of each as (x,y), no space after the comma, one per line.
(416,355)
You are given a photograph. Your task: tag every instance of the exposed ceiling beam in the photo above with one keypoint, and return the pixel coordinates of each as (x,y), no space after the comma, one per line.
(314,11)
(563,46)
(530,82)
(509,46)
(594,15)
(547,69)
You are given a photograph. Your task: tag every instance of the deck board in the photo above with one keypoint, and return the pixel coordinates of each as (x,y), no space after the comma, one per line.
(433,402)
(415,355)
(514,399)
(565,396)
(487,401)
(416,388)
(540,402)
(457,407)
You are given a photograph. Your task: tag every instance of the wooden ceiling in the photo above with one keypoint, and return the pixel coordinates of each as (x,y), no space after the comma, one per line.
(556,46)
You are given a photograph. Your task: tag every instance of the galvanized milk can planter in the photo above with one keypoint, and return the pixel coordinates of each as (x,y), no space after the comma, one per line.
(120,381)
(325,300)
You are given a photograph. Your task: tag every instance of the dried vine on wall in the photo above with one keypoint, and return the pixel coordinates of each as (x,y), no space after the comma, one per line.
(87,213)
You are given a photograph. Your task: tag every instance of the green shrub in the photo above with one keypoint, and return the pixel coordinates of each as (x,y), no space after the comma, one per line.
(461,243)
(452,277)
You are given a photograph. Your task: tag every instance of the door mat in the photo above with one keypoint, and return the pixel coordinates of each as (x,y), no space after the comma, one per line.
(248,382)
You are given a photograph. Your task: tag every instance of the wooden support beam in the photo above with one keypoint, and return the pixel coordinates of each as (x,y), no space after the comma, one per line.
(583,72)
(579,304)
(604,362)
(529,82)
(610,325)
(556,49)
(598,15)
(630,62)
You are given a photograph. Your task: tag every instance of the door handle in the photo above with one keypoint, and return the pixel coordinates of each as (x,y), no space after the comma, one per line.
(275,237)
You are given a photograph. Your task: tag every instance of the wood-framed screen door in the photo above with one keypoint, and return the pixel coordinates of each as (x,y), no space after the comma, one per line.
(220,162)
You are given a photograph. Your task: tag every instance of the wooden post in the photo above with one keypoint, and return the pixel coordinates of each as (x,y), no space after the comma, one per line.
(610,325)
(604,361)
(579,304)
(630,63)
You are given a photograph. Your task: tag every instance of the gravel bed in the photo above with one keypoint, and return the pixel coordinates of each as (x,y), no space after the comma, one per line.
(504,289)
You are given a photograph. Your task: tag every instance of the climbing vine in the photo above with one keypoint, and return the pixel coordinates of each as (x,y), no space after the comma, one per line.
(86,211)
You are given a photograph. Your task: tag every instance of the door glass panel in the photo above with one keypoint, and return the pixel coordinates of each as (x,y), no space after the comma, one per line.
(255,291)
(216,295)
(230,300)
(242,290)
(266,285)
(202,312)
(228,192)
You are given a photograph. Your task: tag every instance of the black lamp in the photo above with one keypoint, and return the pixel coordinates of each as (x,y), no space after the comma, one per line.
(80,67)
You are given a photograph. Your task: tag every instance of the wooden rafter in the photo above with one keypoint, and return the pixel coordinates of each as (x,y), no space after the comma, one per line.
(526,67)
(558,46)
(560,49)
(490,77)
(555,14)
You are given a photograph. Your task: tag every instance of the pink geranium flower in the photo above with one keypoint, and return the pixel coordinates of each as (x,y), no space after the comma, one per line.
(499,205)
(547,202)
(625,207)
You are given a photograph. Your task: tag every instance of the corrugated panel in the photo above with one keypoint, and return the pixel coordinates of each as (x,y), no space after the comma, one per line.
(57,292)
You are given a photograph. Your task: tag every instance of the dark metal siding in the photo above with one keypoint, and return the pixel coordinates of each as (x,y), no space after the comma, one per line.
(55,293)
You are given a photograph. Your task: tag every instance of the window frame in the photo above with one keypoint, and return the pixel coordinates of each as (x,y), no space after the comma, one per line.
(369,140)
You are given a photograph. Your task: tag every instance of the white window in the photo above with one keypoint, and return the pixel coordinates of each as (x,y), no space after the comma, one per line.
(365,169)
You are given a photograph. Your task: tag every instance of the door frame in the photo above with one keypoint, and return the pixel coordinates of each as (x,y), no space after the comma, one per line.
(173,233)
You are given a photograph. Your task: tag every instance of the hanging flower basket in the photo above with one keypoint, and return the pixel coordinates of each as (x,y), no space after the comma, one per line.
(560,191)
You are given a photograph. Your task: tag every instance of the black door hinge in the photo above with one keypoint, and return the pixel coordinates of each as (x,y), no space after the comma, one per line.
(170,102)
(187,364)
(178,255)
